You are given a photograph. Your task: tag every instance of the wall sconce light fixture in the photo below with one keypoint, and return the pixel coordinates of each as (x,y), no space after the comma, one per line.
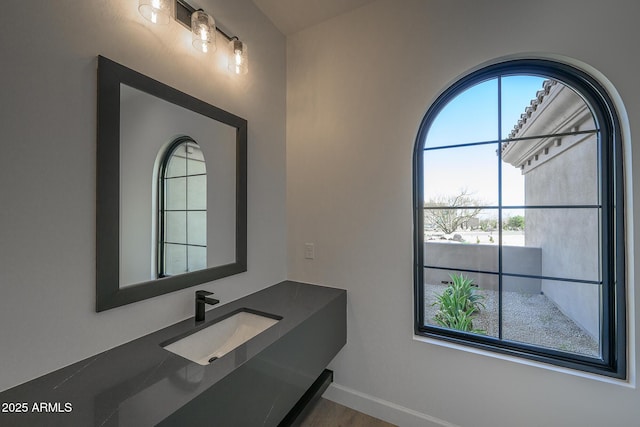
(203,31)
(202,26)
(156,11)
(239,55)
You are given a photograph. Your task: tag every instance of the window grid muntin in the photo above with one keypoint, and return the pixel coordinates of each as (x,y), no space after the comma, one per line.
(500,208)
(613,306)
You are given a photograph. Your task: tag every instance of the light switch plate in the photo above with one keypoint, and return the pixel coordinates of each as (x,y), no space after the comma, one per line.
(309,251)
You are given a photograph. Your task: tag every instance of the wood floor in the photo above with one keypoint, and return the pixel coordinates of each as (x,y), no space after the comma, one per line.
(326,413)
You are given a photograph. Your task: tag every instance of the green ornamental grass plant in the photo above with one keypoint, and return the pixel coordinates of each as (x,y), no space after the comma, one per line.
(457,305)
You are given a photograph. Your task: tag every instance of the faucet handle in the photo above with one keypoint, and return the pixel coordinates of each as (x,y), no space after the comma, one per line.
(203,293)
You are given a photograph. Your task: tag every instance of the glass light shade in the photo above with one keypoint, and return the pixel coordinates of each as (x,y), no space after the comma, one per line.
(155,11)
(238,62)
(203,31)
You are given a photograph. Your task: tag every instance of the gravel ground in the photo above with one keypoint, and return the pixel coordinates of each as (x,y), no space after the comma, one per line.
(527,318)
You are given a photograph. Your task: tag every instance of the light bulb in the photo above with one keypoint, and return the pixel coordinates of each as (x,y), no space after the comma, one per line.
(238,63)
(203,30)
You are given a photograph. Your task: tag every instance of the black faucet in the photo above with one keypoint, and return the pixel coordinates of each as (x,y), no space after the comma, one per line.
(202,299)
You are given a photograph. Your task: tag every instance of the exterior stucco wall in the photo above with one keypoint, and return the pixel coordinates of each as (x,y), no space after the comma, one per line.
(516,259)
(569,238)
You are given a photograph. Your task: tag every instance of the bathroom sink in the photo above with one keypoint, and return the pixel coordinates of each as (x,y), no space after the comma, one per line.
(222,336)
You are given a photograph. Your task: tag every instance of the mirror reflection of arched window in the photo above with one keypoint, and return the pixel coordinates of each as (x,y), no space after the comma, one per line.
(182,213)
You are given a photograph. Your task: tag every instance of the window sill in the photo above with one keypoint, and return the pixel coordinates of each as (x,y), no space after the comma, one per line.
(630,383)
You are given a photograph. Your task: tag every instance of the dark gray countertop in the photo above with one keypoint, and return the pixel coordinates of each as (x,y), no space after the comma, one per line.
(112,387)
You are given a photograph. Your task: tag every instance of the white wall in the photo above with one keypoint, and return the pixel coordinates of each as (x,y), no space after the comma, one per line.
(357,87)
(47,168)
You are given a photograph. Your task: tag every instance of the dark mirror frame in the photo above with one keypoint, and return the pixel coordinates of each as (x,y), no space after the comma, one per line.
(109,294)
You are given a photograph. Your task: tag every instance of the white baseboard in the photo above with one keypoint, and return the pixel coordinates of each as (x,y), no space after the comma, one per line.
(382,409)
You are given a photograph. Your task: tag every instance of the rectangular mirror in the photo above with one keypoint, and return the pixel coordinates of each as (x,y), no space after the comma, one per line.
(171,189)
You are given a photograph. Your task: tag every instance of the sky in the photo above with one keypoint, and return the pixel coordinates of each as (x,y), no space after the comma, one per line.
(473,117)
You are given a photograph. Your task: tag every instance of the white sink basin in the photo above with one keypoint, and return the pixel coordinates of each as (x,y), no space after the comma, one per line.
(218,339)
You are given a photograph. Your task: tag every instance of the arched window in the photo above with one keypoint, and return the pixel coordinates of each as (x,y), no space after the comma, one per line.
(182,209)
(518,214)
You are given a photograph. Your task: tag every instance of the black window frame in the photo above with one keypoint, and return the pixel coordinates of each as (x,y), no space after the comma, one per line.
(613,340)
(161,220)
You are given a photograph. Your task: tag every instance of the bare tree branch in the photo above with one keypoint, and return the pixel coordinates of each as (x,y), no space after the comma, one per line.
(461,208)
